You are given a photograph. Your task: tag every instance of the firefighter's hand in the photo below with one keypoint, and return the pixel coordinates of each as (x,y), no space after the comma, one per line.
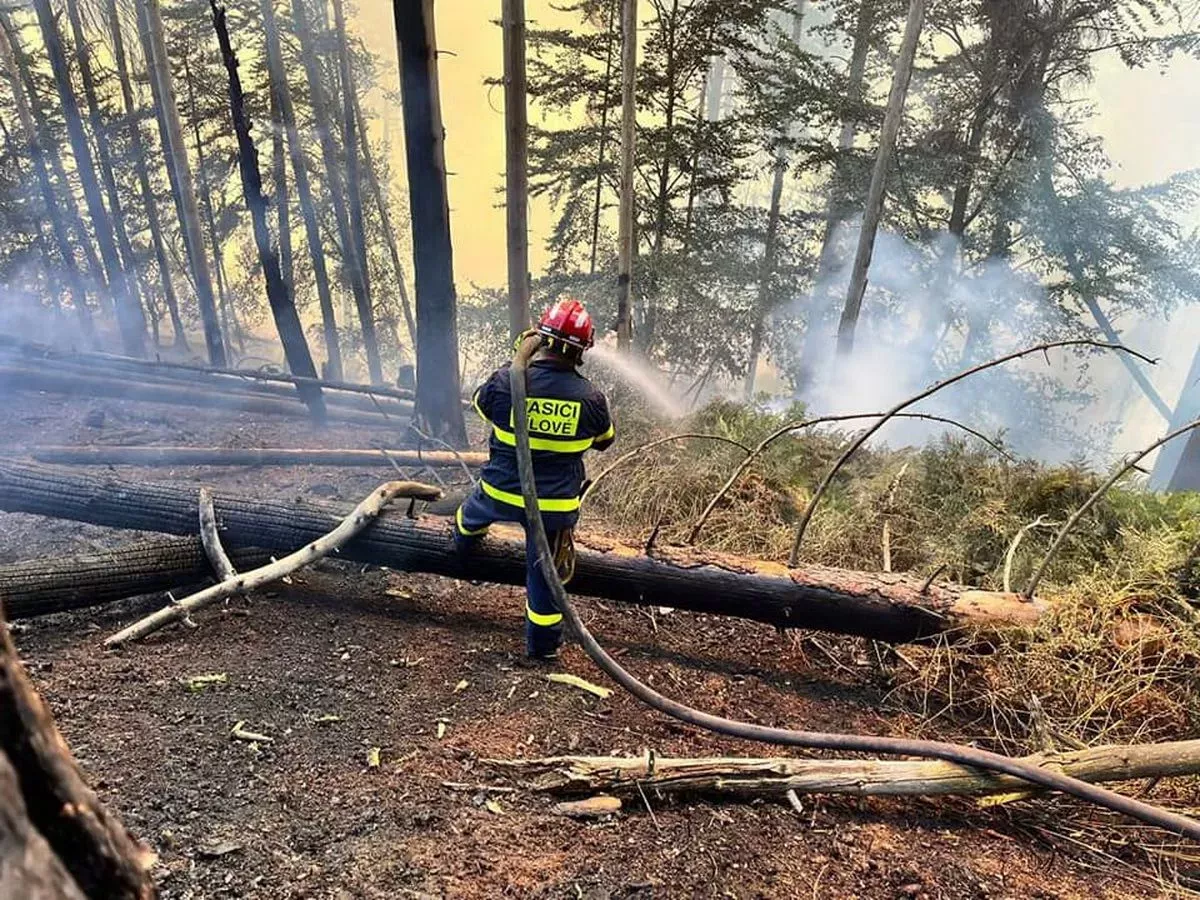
(524,336)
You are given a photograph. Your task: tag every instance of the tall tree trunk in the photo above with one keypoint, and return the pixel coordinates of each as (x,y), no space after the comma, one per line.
(608,65)
(439,405)
(385,219)
(887,146)
(233,331)
(49,201)
(181,176)
(132,317)
(771,243)
(283,308)
(143,176)
(129,318)
(516,176)
(308,210)
(337,190)
(627,213)
(279,177)
(358,231)
(838,204)
(94,270)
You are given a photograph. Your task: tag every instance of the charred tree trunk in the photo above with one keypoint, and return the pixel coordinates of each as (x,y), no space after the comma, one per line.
(337,190)
(438,390)
(516,179)
(59,840)
(883,161)
(283,307)
(385,219)
(46,189)
(180,172)
(312,230)
(279,177)
(887,607)
(130,321)
(143,176)
(627,212)
(266,456)
(131,318)
(603,143)
(357,224)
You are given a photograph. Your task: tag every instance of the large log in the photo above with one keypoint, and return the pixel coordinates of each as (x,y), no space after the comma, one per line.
(102,859)
(237,456)
(28,379)
(861,777)
(41,586)
(889,607)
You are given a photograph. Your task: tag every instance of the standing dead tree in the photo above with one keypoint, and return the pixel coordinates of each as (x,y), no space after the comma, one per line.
(179,172)
(627,213)
(46,189)
(308,210)
(129,314)
(337,189)
(516,170)
(439,409)
(149,203)
(283,307)
(59,840)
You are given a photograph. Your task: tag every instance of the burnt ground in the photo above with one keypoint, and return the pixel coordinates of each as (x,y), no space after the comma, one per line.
(341,661)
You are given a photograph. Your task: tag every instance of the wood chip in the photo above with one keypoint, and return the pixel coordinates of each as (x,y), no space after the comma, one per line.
(575,681)
(218,849)
(462,686)
(253,737)
(592,808)
(441,730)
(494,807)
(200,682)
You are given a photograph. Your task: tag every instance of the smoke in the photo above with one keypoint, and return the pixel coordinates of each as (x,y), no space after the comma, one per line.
(926,316)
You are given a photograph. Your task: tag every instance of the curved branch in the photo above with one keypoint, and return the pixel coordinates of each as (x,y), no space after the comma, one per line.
(1091,501)
(823,420)
(637,451)
(933,389)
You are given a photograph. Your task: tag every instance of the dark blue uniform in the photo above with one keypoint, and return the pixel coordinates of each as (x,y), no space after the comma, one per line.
(567,417)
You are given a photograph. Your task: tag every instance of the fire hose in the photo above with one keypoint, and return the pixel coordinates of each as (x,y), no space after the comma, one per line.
(811,740)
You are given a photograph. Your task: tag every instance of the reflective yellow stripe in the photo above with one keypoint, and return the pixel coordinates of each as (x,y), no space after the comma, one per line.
(545,505)
(462,529)
(608,435)
(545,621)
(475,403)
(507,437)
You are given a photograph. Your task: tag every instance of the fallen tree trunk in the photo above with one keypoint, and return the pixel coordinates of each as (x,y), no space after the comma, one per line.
(14,378)
(261,456)
(860,777)
(43,586)
(42,795)
(221,384)
(129,363)
(889,607)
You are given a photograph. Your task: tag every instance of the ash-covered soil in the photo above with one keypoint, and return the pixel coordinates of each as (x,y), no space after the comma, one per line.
(341,661)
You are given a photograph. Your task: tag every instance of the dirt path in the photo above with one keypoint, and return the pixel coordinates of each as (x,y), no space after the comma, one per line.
(339,662)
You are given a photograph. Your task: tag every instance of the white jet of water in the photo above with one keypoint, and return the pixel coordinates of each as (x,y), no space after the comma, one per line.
(641,376)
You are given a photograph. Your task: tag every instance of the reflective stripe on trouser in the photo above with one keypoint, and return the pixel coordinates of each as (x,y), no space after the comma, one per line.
(543,621)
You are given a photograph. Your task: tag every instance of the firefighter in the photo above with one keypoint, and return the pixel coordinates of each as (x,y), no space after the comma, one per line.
(568,416)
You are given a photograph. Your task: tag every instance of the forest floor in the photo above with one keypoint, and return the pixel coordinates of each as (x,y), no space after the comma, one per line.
(341,661)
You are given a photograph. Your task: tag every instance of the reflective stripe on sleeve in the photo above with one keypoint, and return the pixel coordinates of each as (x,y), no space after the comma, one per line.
(569,504)
(545,621)
(608,435)
(536,443)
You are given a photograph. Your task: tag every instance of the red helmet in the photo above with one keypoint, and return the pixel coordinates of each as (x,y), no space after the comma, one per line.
(570,323)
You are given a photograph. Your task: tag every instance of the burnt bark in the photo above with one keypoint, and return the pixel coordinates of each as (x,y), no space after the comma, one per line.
(238,456)
(283,307)
(103,860)
(888,607)
(438,390)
